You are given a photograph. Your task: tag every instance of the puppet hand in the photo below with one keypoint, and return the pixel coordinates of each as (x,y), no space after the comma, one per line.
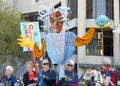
(105,26)
(25,42)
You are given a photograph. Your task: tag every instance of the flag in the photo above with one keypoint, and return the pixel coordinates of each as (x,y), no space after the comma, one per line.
(31,28)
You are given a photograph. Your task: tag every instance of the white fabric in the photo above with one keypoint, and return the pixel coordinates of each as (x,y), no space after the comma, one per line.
(108,80)
(98,77)
(55,43)
(61,71)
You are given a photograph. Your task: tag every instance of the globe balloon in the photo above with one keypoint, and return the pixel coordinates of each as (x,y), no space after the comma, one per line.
(102,20)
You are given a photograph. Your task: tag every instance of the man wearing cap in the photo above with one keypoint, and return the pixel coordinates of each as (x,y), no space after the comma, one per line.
(71,77)
(109,78)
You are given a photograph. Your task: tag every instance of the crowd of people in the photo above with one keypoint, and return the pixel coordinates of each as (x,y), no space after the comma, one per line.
(104,76)
(47,76)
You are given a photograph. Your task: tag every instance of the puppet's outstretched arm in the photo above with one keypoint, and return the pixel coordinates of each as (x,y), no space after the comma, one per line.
(27,42)
(89,35)
(86,38)
(40,53)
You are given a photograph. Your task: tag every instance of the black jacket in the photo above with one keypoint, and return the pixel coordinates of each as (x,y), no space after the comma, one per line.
(26,79)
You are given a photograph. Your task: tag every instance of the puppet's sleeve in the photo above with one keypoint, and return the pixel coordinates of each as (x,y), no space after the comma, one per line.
(39,53)
(86,38)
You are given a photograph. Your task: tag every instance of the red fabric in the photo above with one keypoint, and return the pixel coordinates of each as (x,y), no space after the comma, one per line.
(34,62)
(31,75)
(106,69)
(113,79)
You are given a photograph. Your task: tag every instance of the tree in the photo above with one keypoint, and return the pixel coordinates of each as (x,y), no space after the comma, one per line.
(9,32)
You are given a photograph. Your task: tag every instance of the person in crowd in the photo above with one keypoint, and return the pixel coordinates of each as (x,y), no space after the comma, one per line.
(88,76)
(71,77)
(9,79)
(98,78)
(93,73)
(30,77)
(109,79)
(48,74)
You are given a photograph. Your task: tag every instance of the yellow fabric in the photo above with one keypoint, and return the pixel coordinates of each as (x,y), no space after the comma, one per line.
(105,26)
(86,38)
(25,42)
(39,53)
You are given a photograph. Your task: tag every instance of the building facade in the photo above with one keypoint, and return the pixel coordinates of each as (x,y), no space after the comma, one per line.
(84,12)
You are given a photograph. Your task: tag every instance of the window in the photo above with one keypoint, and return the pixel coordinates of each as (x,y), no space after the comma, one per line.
(109,9)
(108,42)
(89,8)
(73,5)
(102,43)
(95,8)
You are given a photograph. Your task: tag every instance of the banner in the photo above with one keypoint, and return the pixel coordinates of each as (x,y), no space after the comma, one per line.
(31,28)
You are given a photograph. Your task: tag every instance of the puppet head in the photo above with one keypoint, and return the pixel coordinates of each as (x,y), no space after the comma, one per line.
(56,21)
(57,17)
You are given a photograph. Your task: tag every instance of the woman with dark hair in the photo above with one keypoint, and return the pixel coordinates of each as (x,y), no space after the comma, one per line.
(47,74)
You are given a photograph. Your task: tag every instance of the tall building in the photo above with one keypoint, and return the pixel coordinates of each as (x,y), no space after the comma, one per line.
(84,12)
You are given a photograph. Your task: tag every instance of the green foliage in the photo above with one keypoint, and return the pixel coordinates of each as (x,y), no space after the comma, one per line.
(9,32)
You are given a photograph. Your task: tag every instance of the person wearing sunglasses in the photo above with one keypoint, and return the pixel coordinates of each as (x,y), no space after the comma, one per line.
(48,74)
(71,77)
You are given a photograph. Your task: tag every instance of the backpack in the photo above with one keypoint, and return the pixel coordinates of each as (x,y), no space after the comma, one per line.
(113,81)
(117,74)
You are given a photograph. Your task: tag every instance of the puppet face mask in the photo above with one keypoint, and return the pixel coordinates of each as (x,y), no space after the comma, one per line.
(56,21)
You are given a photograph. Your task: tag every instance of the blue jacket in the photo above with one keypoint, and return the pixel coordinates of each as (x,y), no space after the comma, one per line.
(12,81)
(48,78)
(41,80)
(71,78)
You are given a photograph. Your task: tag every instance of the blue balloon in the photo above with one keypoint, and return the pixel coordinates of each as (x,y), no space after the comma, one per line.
(101,20)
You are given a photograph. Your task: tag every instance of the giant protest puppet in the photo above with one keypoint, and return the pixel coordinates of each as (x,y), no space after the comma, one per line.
(59,44)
